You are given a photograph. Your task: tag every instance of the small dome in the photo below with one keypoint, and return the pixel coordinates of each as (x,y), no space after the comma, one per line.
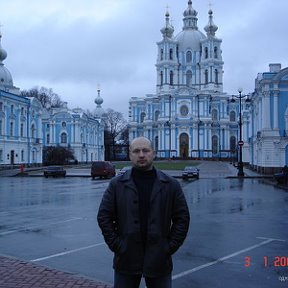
(190,11)
(211,28)
(99,111)
(6,80)
(98,100)
(168,30)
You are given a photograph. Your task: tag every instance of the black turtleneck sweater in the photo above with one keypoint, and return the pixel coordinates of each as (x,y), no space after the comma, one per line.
(144,181)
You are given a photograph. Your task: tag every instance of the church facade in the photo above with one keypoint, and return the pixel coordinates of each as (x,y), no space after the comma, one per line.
(190,115)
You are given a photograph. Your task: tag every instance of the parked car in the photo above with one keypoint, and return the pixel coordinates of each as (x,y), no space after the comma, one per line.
(190,172)
(124,169)
(54,171)
(281,178)
(102,169)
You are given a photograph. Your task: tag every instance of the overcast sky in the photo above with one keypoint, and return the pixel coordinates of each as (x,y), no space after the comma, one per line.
(72,46)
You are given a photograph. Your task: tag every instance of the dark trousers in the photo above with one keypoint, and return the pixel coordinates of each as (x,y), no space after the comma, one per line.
(133,281)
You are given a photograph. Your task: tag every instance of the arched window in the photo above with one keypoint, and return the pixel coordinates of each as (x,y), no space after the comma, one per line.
(214,144)
(184,110)
(214,115)
(157,114)
(21,130)
(188,57)
(156,143)
(206,76)
(48,138)
(33,131)
(215,52)
(142,116)
(232,116)
(188,78)
(206,52)
(171,77)
(171,54)
(63,138)
(233,144)
(216,76)
(161,78)
(161,54)
(11,128)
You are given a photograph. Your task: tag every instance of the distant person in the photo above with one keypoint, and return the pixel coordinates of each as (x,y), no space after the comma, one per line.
(144,219)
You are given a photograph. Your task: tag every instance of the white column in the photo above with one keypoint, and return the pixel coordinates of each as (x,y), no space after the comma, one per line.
(275,112)
(266,111)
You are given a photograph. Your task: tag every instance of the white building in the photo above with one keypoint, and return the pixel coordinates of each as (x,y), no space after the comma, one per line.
(20,122)
(266,121)
(189,115)
(75,130)
(26,127)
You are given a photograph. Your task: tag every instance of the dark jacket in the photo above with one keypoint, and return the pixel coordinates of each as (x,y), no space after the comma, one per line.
(168,222)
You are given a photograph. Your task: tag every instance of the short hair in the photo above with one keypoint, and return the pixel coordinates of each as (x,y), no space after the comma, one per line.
(150,142)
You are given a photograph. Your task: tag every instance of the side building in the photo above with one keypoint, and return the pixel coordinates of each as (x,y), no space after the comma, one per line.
(26,128)
(266,122)
(76,131)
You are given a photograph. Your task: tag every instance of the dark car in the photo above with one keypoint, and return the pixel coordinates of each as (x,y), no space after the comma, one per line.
(124,169)
(190,172)
(102,169)
(281,178)
(54,171)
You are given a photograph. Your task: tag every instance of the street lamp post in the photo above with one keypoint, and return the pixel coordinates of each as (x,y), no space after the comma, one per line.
(240,142)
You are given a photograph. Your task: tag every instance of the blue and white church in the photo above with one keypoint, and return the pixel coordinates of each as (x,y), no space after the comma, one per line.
(190,115)
(26,127)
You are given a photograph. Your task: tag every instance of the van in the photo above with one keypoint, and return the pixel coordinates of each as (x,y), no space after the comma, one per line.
(102,169)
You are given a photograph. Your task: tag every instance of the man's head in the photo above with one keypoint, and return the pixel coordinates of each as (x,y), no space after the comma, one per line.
(141,153)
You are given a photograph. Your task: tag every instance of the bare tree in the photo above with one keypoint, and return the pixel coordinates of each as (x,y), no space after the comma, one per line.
(47,97)
(114,126)
(114,123)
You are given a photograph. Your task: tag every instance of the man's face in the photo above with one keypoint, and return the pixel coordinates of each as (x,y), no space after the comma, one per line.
(141,154)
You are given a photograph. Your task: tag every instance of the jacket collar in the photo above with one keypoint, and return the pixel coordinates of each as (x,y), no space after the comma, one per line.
(159,175)
(161,178)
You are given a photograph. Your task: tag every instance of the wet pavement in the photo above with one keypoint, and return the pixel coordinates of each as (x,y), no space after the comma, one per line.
(238,234)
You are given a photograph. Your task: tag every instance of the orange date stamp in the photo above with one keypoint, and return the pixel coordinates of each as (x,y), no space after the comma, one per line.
(276,261)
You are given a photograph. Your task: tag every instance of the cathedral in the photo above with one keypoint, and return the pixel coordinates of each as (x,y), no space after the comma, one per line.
(190,115)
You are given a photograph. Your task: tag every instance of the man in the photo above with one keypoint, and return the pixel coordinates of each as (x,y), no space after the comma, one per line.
(144,219)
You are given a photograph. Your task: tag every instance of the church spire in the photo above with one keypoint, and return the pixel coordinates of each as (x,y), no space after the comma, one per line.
(168,30)
(190,17)
(98,101)
(211,28)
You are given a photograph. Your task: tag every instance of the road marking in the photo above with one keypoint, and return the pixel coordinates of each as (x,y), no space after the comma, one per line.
(67,252)
(267,241)
(38,226)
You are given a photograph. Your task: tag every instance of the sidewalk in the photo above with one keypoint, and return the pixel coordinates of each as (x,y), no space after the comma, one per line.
(18,273)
